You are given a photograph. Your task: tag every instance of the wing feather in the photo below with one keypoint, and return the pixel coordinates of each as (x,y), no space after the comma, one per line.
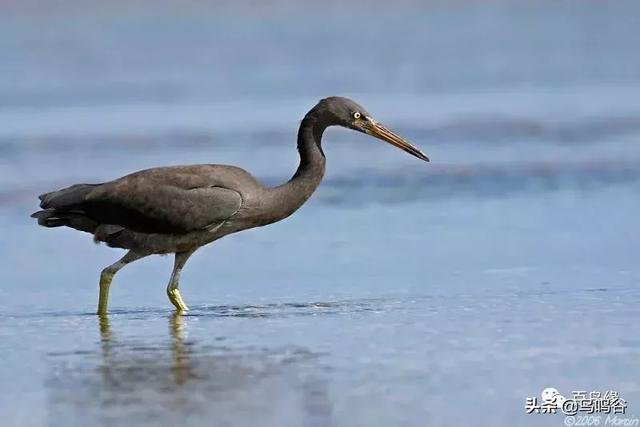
(153,207)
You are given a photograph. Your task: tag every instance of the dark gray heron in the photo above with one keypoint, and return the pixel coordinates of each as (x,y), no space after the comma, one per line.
(178,209)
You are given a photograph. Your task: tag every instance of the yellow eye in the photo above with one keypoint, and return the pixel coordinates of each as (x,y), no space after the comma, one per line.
(356,115)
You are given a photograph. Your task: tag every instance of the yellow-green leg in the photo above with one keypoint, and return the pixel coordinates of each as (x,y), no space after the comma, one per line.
(103,299)
(107,276)
(172,288)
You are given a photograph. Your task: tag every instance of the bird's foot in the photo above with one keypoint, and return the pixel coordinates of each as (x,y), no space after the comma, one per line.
(177,301)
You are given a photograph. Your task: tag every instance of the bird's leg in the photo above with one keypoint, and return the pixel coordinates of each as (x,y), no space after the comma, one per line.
(107,276)
(172,288)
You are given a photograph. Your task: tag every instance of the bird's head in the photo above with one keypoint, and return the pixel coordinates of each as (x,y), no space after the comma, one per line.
(347,113)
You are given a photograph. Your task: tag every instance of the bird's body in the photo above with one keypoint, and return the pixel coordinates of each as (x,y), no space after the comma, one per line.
(178,209)
(166,209)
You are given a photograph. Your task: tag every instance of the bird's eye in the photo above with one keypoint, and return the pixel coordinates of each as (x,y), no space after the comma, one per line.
(356,115)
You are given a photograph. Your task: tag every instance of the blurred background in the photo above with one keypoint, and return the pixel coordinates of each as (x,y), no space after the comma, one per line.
(403,293)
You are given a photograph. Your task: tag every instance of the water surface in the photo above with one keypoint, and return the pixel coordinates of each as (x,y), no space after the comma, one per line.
(402,293)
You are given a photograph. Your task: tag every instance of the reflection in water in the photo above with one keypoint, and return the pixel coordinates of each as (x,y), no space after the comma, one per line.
(140,381)
(105,342)
(180,366)
(105,336)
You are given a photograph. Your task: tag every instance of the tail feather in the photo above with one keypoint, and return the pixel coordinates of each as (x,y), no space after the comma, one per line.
(65,208)
(54,218)
(67,198)
(44,216)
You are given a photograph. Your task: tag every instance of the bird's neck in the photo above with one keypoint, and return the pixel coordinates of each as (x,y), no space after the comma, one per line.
(288,197)
(312,161)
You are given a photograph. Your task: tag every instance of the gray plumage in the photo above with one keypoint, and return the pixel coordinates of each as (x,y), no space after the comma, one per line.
(181,208)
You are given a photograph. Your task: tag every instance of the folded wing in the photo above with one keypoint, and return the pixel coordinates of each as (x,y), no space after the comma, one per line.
(164,209)
(163,200)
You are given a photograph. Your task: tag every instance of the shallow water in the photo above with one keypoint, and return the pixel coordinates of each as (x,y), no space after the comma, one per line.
(402,293)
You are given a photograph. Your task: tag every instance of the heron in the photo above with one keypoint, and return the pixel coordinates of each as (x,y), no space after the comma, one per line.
(178,209)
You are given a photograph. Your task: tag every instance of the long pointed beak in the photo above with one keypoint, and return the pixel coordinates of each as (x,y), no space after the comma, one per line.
(374,128)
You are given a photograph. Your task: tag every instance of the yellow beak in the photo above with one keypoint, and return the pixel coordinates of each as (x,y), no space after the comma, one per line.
(373,128)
